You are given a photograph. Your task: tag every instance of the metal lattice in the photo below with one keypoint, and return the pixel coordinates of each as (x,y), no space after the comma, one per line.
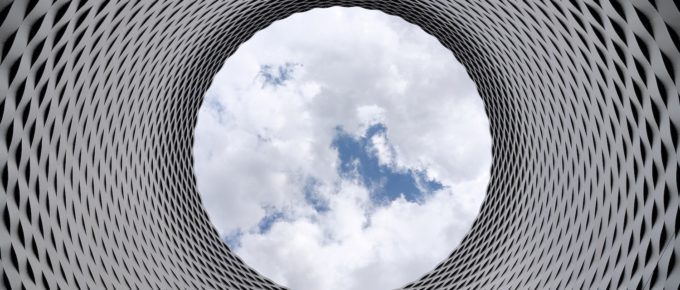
(100,98)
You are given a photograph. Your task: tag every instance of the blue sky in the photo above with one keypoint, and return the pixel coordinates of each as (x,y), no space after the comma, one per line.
(277,75)
(358,161)
(386,183)
(335,139)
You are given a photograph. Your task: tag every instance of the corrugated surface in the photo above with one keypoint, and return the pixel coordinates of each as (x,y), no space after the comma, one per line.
(100,98)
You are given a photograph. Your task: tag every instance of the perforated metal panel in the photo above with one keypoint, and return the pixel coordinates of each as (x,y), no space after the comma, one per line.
(100,98)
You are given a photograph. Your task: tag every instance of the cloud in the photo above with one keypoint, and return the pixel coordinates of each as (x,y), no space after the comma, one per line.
(382,150)
(342,149)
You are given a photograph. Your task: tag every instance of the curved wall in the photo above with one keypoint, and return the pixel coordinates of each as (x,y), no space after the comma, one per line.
(100,98)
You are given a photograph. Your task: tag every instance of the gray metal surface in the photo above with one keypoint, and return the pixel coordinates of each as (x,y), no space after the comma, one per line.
(100,98)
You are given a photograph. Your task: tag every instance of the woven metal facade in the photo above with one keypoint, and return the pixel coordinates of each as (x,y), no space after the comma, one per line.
(100,98)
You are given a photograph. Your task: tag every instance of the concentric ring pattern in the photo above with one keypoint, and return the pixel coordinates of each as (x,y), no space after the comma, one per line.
(100,98)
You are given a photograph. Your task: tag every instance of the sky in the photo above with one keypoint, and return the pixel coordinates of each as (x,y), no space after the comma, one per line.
(342,148)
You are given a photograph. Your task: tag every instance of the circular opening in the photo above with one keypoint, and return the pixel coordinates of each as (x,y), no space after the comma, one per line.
(342,148)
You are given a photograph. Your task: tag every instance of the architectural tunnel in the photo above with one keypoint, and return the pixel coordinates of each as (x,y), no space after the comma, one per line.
(100,99)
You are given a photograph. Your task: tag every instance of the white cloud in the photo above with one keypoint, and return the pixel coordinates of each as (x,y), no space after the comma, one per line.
(257,148)
(382,149)
(369,115)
